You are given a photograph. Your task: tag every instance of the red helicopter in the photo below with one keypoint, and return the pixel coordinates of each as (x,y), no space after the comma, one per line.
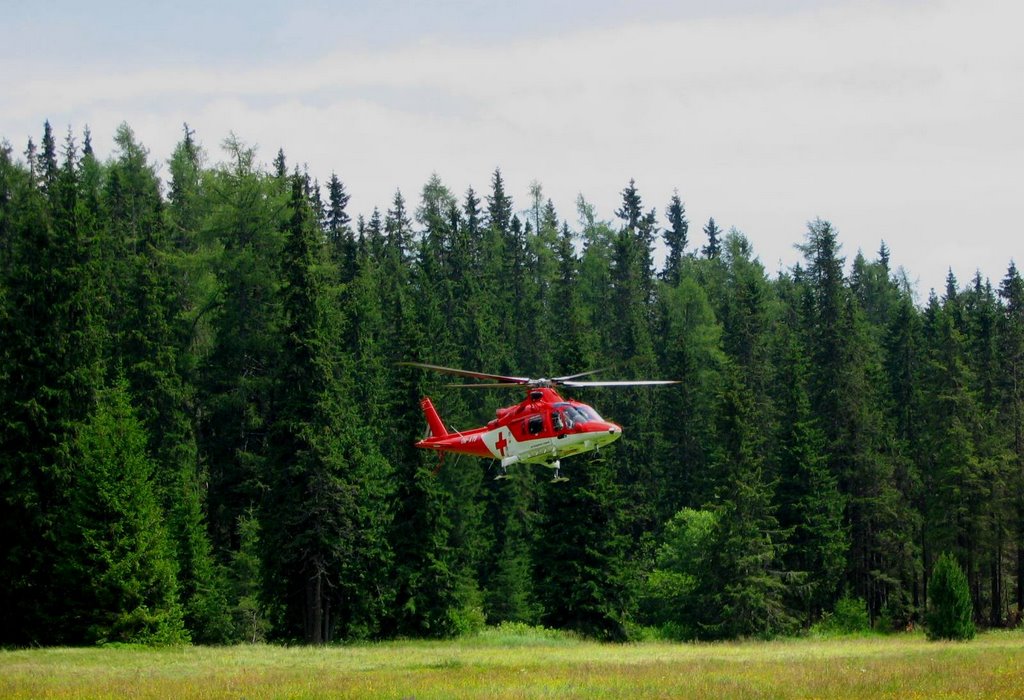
(541,429)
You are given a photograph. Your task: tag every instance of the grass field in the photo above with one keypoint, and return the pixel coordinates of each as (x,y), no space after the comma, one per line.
(500,664)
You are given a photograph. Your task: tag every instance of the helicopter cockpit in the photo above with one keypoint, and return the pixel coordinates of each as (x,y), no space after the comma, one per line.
(566,416)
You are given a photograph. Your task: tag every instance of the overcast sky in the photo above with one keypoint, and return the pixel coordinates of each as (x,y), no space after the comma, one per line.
(898,121)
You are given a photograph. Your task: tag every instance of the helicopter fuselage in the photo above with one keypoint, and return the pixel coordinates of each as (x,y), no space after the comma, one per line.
(541,429)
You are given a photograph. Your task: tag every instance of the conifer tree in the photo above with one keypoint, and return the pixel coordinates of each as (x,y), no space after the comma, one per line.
(147,348)
(339,232)
(52,366)
(675,239)
(713,248)
(118,562)
(810,504)
(746,570)
(950,614)
(235,375)
(47,167)
(690,352)
(583,578)
(323,527)
(1011,352)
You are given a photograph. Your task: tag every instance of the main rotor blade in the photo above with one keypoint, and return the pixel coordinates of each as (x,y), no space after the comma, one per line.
(466,373)
(496,385)
(644,382)
(581,374)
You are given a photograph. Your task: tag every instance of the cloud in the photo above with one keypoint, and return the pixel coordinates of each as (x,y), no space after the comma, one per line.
(896,121)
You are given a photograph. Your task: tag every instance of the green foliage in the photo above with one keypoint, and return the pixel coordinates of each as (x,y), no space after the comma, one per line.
(950,612)
(677,594)
(250,618)
(850,616)
(118,557)
(828,434)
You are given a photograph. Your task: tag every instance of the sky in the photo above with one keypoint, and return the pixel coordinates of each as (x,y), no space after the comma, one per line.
(896,121)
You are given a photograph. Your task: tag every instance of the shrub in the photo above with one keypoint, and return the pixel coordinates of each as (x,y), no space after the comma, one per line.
(851,616)
(468,619)
(950,611)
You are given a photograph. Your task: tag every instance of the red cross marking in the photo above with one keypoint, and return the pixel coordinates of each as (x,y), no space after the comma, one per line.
(501,444)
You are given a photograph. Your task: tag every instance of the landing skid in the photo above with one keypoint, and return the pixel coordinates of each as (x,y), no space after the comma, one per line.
(557,478)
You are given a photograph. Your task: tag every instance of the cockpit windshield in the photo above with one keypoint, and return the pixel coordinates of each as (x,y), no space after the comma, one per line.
(578,413)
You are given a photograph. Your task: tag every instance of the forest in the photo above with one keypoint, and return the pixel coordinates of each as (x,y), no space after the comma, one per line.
(206,437)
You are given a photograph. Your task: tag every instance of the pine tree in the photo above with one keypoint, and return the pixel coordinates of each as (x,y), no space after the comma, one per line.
(955,470)
(339,232)
(583,579)
(47,163)
(626,331)
(690,352)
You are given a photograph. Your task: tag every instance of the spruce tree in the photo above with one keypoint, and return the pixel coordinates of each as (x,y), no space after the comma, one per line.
(235,373)
(582,570)
(950,613)
(323,530)
(810,503)
(746,569)
(713,248)
(51,360)
(118,562)
(148,348)
(675,239)
(1011,402)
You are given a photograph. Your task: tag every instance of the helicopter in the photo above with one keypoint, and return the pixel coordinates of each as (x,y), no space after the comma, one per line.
(541,429)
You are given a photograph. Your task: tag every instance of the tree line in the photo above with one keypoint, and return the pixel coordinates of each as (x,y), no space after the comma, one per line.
(204,434)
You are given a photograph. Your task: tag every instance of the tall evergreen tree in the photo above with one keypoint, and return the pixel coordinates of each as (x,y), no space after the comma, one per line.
(713,248)
(675,239)
(235,376)
(810,504)
(583,577)
(746,567)
(322,529)
(1011,352)
(117,560)
(339,232)
(147,348)
(52,363)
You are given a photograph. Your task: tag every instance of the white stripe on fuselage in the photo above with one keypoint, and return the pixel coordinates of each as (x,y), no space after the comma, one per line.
(542,450)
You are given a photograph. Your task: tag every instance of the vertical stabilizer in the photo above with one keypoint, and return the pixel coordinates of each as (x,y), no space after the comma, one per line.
(437,428)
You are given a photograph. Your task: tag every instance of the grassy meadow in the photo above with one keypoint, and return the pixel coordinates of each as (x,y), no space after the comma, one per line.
(531,664)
